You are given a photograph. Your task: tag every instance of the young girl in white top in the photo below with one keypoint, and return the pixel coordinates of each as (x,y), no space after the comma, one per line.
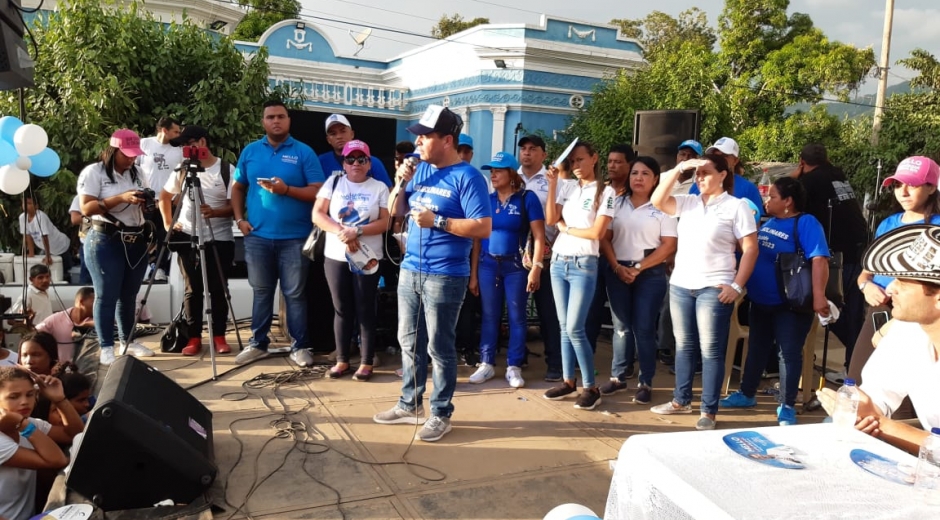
(27,444)
(582,212)
(706,281)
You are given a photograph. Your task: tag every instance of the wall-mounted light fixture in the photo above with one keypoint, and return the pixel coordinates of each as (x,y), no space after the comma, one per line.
(500,64)
(218,25)
(301,26)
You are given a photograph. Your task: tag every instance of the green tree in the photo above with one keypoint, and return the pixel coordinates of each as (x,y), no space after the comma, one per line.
(263,14)
(660,32)
(103,67)
(450,25)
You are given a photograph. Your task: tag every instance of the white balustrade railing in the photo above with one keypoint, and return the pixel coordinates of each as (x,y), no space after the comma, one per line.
(346,93)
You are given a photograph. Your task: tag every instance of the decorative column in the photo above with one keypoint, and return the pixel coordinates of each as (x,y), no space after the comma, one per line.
(499,126)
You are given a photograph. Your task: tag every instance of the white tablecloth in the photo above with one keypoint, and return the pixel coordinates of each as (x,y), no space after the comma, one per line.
(695,475)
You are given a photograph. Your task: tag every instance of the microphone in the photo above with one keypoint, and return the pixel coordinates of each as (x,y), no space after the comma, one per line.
(412,160)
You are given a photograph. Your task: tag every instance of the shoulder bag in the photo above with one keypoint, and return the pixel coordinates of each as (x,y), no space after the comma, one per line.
(316,241)
(795,275)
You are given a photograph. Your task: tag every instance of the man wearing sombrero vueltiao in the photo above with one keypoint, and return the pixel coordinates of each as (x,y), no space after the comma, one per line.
(907,360)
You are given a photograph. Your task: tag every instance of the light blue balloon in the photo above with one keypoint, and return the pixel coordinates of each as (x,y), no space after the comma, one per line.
(7,153)
(8,126)
(584,517)
(45,163)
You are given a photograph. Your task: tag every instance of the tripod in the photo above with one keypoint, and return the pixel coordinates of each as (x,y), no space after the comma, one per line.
(192,189)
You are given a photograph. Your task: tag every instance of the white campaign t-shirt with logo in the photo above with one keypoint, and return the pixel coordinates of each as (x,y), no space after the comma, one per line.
(159,162)
(637,229)
(578,212)
(216,194)
(95,182)
(18,485)
(354,204)
(41,225)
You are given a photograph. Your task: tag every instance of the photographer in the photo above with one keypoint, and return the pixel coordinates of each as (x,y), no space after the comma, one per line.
(216,182)
(112,193)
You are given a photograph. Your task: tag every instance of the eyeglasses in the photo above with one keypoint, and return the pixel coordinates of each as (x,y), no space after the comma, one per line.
(362,159)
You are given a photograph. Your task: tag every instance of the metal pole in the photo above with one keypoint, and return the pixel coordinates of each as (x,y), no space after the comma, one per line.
(883,72)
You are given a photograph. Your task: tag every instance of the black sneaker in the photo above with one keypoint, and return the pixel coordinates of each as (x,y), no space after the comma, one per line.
(612,387)
(631,371)
(588,399)
(553,376)
(559,392)
(643,395)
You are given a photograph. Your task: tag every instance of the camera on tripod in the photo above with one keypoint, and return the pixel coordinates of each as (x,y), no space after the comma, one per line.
(150,199)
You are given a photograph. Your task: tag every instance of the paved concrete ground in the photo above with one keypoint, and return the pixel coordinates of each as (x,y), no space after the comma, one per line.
(512,454)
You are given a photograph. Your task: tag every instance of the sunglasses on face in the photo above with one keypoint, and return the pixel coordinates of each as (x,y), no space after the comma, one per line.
(362,159)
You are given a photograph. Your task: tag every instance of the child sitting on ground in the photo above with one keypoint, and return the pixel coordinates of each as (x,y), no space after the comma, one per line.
(39,353)
(28,444)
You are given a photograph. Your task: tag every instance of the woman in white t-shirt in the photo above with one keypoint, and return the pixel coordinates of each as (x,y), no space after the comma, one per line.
(111,194)
(40,233)
(214,225)
(583,211)
(353,210)
(641,239)
(706,280)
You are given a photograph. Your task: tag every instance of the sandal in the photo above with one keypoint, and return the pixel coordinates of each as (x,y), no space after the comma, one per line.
(363,374)
(336,374)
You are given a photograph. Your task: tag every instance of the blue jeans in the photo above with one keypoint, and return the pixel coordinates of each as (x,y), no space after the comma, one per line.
(428,306)
(789,329)
(270,261)
(117,270)
(548,319)
(633,310)
(573,281)
(701,323)
(503,279)
(84,277)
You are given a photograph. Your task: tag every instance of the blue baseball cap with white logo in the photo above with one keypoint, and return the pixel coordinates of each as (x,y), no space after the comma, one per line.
(502,160)
(693,144)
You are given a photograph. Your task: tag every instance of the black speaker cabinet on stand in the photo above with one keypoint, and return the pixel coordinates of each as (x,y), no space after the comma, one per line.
(658,133)
(147,440)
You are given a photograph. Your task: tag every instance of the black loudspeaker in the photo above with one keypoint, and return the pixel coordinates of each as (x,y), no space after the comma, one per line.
(147,440)
(16,65)
(658,133)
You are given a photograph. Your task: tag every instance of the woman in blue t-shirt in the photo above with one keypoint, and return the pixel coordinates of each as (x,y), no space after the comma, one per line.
(771,319)
(915,188)
(496,271)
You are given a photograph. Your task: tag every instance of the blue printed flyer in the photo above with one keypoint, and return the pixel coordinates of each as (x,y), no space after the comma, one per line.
(756,447)
(882,467)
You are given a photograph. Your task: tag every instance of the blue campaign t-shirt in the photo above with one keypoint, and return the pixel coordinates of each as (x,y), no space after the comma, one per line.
(889,224)
(331,166)
(457,191)
(743,189)
(278,217)
(509,231)
(775,237)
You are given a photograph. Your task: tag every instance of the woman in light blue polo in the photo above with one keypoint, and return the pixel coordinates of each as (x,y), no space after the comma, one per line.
(496,267)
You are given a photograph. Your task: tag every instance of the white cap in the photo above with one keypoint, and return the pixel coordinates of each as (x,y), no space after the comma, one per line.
(337,118)
(725,145)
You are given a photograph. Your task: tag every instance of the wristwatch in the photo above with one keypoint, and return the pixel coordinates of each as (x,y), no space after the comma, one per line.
(861,286)
(359,231)
(736,287)
(637,266)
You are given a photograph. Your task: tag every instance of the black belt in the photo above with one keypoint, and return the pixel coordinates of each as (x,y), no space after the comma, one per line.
(500,258)
(107,227)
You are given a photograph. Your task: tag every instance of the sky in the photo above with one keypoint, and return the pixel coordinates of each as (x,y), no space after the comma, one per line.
(859,22)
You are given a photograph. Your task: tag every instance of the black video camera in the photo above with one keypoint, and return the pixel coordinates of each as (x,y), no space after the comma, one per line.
(150,200)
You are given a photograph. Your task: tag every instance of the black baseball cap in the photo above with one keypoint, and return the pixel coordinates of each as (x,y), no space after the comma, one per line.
(533,139)
(437,119)
(190,133)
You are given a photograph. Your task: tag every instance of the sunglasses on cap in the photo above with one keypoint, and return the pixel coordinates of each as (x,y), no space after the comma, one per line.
(362,159)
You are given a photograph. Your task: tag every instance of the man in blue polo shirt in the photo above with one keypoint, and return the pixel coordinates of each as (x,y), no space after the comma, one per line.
(339,132)
(276,184)
(448,205)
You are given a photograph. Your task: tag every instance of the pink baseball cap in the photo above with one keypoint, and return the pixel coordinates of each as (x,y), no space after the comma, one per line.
(127,141)
(356,146)
(916,171)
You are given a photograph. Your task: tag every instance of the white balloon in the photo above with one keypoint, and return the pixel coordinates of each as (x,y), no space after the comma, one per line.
(30,139)
(13,180)
(24,163)
(566,511)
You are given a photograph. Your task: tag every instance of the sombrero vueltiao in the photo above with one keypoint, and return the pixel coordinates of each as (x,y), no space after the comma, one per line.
(910,252)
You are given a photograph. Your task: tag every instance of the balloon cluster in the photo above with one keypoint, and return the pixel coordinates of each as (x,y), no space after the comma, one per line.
(23,151)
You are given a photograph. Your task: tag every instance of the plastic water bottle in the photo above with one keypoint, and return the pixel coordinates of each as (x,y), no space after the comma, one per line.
(846,412)
(764,186)
(927,473)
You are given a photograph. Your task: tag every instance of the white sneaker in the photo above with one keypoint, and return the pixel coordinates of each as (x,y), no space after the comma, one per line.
(514,376)
(107,356)
(160,276)
(302,357)
(250,354)
(137,350)
(484,373)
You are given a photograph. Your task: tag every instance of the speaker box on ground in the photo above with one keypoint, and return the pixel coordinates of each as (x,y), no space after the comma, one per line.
(147,440)
(658,133)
